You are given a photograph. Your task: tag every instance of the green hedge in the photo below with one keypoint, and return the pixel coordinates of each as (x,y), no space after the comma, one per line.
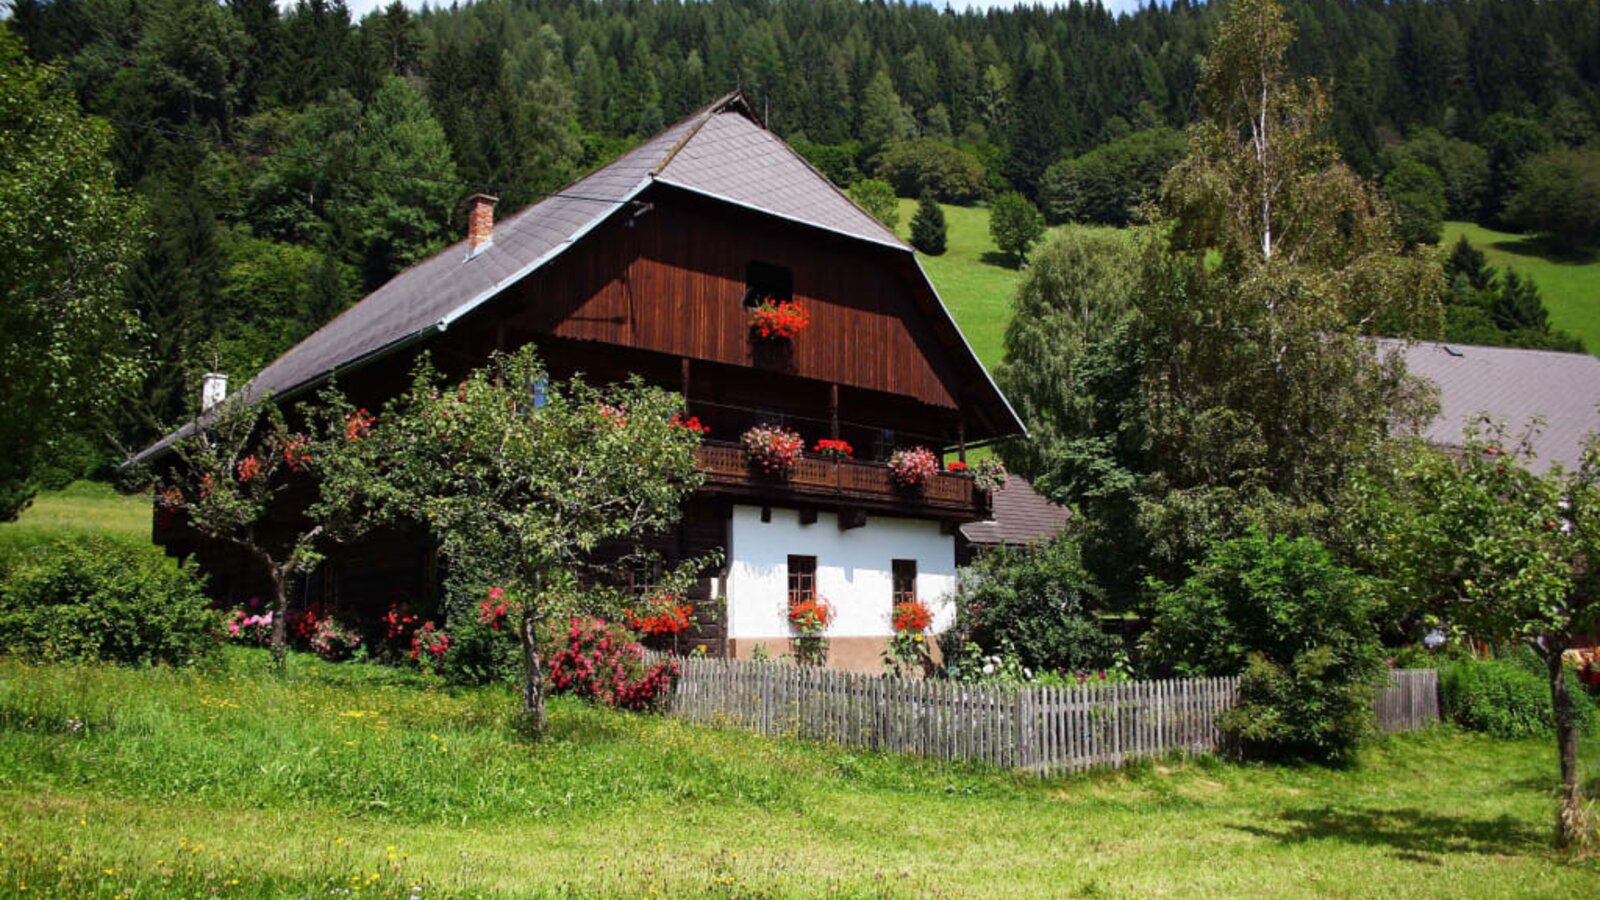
(1506,699)
(82,599)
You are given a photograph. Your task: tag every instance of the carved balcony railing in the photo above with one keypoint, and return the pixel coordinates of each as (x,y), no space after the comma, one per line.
(842,483)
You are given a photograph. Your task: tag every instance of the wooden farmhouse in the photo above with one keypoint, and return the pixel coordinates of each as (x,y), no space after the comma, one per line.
(651,266)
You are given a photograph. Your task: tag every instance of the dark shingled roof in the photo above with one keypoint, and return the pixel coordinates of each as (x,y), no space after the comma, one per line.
(1021,516)
(1513,386)
(720,151)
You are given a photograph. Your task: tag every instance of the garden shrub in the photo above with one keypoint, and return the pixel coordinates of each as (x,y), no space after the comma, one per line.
(1504,698)
(1037,602)
(1295,626)
(605,663)
(98,599)
(480,653)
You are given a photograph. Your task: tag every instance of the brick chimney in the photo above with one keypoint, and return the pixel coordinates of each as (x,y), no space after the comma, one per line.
(480,223)
(213,390)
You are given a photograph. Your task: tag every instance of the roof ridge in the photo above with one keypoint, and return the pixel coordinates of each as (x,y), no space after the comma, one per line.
(703,116)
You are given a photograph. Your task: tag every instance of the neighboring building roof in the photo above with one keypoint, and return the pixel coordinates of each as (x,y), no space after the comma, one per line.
(720,152)
(1021,516)
(1513,386)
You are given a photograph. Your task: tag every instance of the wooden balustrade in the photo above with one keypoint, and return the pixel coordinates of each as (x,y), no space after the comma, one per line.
(847,482)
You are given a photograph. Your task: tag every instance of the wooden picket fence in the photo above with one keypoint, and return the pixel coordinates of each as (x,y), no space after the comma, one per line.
(1036,729)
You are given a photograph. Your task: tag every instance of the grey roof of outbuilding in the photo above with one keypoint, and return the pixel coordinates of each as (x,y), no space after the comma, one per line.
(720,152)
(1513,386)
(1021,516)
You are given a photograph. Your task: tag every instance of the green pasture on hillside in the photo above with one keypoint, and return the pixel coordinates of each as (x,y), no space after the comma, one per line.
(1569,284)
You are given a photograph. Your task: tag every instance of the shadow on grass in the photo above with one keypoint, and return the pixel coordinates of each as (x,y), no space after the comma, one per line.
(1543,249)
(1002,260)
(1414,834)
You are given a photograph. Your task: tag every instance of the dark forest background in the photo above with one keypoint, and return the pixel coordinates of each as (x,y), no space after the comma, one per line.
(293,161)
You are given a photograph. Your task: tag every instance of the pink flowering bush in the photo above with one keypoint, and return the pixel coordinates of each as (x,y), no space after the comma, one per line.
(335,642)
(912,468)
(604,663)
(429,645)
(244,626)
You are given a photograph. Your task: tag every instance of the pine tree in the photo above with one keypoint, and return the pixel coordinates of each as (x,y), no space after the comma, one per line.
(927,226)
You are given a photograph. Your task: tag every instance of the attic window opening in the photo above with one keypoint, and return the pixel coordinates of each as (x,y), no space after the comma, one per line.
(766,281)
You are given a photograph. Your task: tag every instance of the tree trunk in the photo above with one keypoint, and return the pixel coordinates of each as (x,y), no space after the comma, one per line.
(280,618)
(1570,816)
(533,714)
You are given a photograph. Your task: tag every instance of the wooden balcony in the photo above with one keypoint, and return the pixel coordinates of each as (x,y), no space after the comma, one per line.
(842,484)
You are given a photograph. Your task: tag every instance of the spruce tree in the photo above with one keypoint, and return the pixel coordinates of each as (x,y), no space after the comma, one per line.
(927,226)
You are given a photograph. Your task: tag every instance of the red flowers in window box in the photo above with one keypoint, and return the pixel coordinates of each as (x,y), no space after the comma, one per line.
(834,449)
(690,424)
(779,319)
(956,467)
(810,616)
(773,448)
(912,616)
(914,467)
(667,614)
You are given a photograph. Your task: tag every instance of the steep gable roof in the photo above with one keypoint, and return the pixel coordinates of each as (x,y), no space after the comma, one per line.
(1514,386)
(721,152)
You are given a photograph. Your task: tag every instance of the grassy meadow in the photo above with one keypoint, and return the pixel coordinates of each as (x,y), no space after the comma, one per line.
(977,283)
(357,780)
(1569,284)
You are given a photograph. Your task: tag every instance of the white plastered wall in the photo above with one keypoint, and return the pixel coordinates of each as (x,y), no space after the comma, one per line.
(854,571)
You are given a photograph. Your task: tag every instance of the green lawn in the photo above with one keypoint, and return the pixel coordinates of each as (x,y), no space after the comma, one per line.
(1570,285)
(84,507)
(155,782)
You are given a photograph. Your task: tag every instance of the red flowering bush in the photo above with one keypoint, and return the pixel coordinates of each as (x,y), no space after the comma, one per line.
(493,609)
(912,468)
(399,623)
(249,468)
(690,424)
(912,616)
(616,415)
(834,449)
(603,663)
(297,452)
(773,448)
(358,425)
(334,642)
(782,319)
(303,623)
(667,614)
(429,644)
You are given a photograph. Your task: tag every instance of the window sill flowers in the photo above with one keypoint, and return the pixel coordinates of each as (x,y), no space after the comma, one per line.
(773,449)
(809,617)
(831,449)
(774,319)
(907,653)
(914,467)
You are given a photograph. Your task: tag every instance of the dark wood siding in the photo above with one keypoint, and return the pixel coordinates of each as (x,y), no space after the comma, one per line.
(674,280)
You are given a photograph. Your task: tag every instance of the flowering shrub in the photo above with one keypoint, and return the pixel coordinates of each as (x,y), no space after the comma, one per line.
(834,449)
(399,623)
(603,663)
(912,615)
(690,424)
(956,467)
(616,415)
(990,474)
(297,452)
(428,645)
(334,642)
(303,623)
(358,425)
(912,468)
(782,319)
(493,609)
(666,614)
(773,448)
(251,629)
(249,468)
